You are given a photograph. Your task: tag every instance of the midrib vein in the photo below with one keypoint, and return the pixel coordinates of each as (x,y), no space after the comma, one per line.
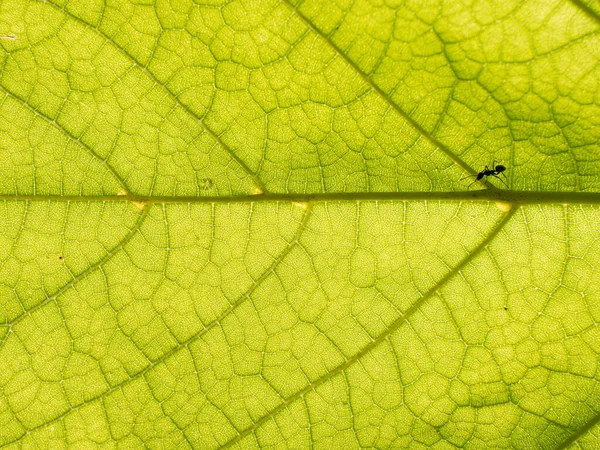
(482,195)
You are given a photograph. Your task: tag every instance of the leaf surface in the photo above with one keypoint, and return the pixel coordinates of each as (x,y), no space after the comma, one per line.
(256,224)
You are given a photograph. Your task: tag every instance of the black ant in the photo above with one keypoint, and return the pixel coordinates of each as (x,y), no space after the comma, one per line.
(494,172)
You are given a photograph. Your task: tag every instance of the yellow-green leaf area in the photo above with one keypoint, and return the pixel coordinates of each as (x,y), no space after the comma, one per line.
(299,224)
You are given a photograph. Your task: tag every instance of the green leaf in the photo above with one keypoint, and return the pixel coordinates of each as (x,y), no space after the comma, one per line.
(256,224)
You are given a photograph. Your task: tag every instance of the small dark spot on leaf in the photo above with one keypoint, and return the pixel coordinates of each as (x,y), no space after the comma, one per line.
(206,183)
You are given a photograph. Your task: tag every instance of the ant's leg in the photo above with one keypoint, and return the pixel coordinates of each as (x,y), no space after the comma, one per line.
(496,176)
(479,176)
(469,186)
(469,176)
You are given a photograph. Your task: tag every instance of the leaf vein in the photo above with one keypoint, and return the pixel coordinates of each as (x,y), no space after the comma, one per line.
(428,136)
(381,338)
(69,136)
(179,103)
(185,345)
